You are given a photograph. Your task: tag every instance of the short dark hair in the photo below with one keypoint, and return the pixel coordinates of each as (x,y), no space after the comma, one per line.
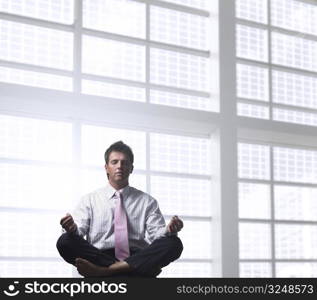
(119,147)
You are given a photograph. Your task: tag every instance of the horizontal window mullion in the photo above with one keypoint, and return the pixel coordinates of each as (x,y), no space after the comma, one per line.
(191,218)
(35,68)
(278,221)
(273,28)
(143,42)
(294,107)
(36,22)
(178,7)
(253,101)
(277,67)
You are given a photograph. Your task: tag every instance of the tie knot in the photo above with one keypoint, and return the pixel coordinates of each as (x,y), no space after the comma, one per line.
(118,194)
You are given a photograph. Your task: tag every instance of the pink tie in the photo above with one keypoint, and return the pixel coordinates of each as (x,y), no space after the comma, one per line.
(121,241)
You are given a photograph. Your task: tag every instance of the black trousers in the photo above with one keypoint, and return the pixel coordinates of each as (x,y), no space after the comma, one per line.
(145,262)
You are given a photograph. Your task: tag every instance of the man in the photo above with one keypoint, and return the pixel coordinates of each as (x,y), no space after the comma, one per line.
(125,230)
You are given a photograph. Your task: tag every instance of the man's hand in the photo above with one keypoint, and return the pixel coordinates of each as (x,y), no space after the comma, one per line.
(68,223)
(175,225)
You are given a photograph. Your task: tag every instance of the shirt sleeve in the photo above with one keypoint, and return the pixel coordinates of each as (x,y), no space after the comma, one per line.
(155,223)
(82,215)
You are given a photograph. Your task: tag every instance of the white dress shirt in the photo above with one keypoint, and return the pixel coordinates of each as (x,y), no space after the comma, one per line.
(94,216)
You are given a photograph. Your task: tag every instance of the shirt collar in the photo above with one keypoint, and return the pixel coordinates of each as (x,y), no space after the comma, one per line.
(110,191)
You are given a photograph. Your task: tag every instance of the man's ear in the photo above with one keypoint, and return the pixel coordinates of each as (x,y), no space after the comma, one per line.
(131,169)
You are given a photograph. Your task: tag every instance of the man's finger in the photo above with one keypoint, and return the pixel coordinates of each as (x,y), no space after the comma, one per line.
(67,222)
(64,218)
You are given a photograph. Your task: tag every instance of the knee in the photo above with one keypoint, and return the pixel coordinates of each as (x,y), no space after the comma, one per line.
(64,242)
(175,246)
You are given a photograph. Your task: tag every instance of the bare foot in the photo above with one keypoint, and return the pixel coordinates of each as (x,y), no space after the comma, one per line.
(88,269)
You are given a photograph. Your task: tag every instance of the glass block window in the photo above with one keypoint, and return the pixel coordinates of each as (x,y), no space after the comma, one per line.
(254,200)
(295,165)
(286,75)
(294,89)
(168,44)
(277,213)
(110,90)
(253,111)
(35,139)
(36,79)
(295,203)
(293,269)
(253,10)
(112,58)
(36,45)
(294,15)
(61,11)
(179,70)
(256,270)
(180,154)
(251,43)
(252,82)
(114,51)
(182,191)
(179,28)
(254,241)
(254,161)
(117,16)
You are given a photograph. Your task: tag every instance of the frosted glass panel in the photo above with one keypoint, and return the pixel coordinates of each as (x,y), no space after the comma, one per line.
(181,154)
(26,138)
(254,240)
(253,10)
(196,238)
(36,45)
(36,79)
(179,70)
(182,196)
(253,111)
(117,91)
(179,28)
(254,201)
(253,161)
(255,269)
(61,11)
(29,234)
(252,82)
(293,116)
(295,165)
(294,15)
(187,269)
(294,89)
(96,140)
(48,269)
(252,43)
(295,241)
(294,51)
(295,203)
(117,16)
(293,269)
(114,59)
(31,186)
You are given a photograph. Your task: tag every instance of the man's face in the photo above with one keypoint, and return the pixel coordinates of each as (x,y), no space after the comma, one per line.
(118,168)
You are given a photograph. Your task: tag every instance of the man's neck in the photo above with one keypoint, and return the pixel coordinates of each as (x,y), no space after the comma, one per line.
(118,186)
